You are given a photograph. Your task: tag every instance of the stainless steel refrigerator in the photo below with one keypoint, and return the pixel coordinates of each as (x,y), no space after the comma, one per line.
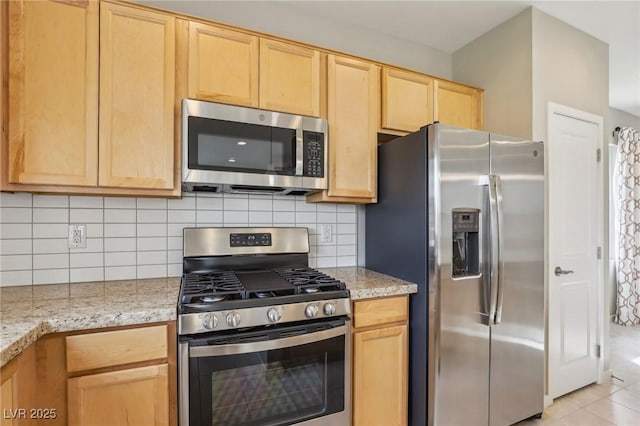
(461,213)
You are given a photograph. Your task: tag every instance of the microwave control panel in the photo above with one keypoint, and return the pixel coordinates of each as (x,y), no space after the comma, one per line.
(313,154)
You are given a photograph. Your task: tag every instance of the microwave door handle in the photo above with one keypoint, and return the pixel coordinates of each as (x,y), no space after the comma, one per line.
(250,347)
(299,151)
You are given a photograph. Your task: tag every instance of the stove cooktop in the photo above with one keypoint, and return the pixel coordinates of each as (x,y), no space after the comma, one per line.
(217,290)
(241,278)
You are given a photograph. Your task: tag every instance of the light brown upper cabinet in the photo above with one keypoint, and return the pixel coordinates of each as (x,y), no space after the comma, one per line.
(53,93)
(223,65)
(411,100)
(407,101)
(289,78)
(458,105)
(353,102)
(237,68)
(61,136)
(137,94)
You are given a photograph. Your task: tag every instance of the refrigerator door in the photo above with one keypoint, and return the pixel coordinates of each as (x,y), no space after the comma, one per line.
(460,203)
(517,335)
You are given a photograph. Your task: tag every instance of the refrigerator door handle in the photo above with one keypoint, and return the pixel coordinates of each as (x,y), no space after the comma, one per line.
(493,235)
(498,183)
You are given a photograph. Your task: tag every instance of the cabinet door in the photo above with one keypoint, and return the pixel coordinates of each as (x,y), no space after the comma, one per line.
(289,78)
(136,396)
(353,111)
(223,65)
(8,398)
(17,390)
(380,377)
(458,105)
(53,92)
(407,100)
(137,70)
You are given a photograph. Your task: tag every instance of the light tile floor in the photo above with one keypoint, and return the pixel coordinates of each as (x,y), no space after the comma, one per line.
(612,404)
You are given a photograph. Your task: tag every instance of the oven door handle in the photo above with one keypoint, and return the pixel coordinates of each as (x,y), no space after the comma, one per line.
(286,342)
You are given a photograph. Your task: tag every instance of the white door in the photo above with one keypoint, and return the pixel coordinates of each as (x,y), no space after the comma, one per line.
(574,229)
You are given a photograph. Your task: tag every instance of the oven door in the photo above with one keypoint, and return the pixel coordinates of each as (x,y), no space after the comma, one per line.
(273,376)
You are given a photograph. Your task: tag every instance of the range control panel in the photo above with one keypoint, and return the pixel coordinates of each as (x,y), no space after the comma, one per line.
(313,154)
(249,240)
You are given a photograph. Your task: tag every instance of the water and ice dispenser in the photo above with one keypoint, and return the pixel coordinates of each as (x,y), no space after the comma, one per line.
(466,250)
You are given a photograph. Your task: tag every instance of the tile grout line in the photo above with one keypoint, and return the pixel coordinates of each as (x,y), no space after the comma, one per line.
(104,241)
(136,238)
(33,231)
(69,248)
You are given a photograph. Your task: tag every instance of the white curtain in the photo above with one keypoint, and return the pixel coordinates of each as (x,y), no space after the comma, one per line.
(627,224)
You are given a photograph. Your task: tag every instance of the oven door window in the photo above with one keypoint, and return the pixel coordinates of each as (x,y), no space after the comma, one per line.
(240,147)
(273,387)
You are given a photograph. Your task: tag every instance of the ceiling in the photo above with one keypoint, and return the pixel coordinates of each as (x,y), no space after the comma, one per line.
(449,25)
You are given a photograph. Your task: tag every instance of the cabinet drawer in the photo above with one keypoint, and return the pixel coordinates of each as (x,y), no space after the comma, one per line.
(380,311)
(112,348)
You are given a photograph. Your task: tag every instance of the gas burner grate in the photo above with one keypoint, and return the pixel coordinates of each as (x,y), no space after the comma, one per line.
(308,280)
(204,287)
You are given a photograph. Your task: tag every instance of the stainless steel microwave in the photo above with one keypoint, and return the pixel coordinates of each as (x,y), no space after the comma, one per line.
(229,148)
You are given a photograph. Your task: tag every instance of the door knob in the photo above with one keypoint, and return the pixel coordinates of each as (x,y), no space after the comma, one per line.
(559,271)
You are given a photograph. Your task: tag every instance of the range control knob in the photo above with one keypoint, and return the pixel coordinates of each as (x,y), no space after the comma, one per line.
(274,315)
(210,321)
(311,310)
(329,308)
(233,319)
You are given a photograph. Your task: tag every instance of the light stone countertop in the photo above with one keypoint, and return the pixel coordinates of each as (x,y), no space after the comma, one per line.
(29,312)
(367,284)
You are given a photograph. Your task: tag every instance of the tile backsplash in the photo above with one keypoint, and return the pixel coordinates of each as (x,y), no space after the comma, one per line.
(130,238)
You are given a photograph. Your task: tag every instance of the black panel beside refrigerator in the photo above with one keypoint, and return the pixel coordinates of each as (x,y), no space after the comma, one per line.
(396,245)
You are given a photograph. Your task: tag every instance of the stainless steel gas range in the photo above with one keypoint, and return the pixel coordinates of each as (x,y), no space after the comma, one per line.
(262,338)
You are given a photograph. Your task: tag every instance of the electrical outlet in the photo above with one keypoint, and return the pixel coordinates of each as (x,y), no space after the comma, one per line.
(326,234)
(77,236)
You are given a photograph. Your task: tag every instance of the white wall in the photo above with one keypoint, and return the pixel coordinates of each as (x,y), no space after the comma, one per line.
(500,61)
(282,19)
(619,118)
(129,238)
(570,67)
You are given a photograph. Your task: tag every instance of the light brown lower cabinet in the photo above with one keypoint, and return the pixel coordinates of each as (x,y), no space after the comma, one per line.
(17,390)
(120,377)
(123,376)
(380,362)
(134,396)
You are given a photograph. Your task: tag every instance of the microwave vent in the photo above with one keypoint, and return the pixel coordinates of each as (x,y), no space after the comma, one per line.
(203,188)
(244,189)
(298,192)
(256,189)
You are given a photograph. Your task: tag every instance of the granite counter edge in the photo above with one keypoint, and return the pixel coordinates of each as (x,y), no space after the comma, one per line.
(390,290)
(40,328)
